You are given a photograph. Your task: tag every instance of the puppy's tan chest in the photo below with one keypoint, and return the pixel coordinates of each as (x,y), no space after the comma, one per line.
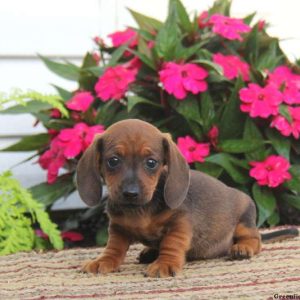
(146,229)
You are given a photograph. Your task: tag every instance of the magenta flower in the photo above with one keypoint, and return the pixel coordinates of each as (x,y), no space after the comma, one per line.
(213,135)
(122,37)
(232,66)
(52,160)
(67,144)
(113,84)
(272,172)
(203,19)
(75,140)
(259,101)
(179,79)
(55,113)
(229,28)
(81,101)
(285,127)
(191,150)
(287,82)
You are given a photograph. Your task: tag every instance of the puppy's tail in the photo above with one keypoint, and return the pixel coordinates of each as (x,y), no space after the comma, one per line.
(279,235)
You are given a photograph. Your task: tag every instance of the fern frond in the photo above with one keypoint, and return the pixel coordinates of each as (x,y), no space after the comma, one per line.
(20,97)
(16,233)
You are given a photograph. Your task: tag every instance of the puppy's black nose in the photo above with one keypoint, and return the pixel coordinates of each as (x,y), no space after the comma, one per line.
(131,192)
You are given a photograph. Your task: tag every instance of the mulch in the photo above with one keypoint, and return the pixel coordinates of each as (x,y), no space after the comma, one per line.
(54,275)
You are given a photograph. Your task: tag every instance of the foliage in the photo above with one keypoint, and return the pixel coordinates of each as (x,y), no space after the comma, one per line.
(221,86)
(18,212)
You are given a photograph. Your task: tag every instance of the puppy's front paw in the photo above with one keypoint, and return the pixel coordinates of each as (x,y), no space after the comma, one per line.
(100,265)
(159,268)
(241,251)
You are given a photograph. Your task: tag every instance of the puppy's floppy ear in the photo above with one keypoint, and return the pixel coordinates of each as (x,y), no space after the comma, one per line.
(88,173)
(178,177)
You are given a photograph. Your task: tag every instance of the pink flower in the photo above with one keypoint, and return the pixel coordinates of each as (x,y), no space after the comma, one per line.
(232,66)
(122,37)
(133,64)
(213,135)
(96,56)
(72,236)
(99,41)
(55,113)
(285,127)
(67,144)
(272,172)
(261,25)
(52,160)
(179,79)
(203,19)
(191,150)
(229,28)
(113,84)
(75,140)
(81,101)
(259,101)
(287,82)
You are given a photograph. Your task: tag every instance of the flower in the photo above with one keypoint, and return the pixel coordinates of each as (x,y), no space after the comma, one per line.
(285,127)
(203,19)
(272,172)
(191,150)
(213,135)
(259,101)
(67,144)
(261,24)
(113,84)
(76,140)
(232,66)
(71,236)
(55,113)
(287,82)
(52,160)
(81,101)
(178,79)
(229,28)
(122,37)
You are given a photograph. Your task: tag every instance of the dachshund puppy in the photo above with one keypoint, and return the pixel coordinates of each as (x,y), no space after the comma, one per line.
(154,198)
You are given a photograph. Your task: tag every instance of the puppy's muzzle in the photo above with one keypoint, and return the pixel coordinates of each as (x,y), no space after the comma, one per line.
(131,193)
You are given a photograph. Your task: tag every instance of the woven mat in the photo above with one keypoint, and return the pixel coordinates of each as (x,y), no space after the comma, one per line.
(54,275)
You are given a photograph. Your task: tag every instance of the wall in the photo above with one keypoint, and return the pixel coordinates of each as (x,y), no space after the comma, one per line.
(64,28)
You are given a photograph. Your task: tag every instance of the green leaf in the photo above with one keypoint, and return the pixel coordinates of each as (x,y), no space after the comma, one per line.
(294,183)
(117,54)
(30,143)
(232,117)
(221,7)
(240,146)
(209,168)
(146,60)
(189,108)
(274,219)
(49,193)
(64,94)
(229,164)
(210,65)
(145,22)
(135,100)
(207,111)
(293,200)
(97,71)
(88,61)
(102,237)
(168,36)
(281,144)
(183,18)
(284,111)
(249,18)
(265,201)
(28,107)
(252,132)
(68,71)
(252,46)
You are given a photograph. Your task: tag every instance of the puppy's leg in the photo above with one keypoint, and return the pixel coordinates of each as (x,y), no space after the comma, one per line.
(172,250)
(112,256)
(246,236)
(148,255)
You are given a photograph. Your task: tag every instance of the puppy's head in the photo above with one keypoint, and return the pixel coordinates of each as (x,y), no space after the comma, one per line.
(130,157)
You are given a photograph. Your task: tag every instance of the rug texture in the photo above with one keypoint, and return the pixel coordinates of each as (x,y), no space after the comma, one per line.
(273,273)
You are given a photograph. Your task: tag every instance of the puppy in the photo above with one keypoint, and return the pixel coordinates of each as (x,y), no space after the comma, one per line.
(154,198)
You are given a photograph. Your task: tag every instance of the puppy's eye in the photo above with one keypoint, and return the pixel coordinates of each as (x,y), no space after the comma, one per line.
(151,163)
(113,162)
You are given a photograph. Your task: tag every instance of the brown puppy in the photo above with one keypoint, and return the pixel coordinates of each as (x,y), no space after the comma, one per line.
(155,199)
